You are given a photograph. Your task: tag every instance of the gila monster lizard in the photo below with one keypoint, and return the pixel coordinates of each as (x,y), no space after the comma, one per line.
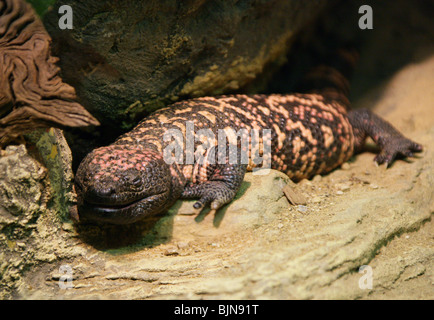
(311,134)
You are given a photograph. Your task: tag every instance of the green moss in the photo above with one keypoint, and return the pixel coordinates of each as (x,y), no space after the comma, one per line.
(136,111)
(56,156)
(41,6)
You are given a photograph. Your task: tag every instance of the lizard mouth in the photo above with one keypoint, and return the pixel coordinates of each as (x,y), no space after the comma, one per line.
(124,213)
(113,207)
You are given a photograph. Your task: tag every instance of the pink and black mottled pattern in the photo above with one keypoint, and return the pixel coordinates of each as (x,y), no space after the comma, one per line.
(311,134)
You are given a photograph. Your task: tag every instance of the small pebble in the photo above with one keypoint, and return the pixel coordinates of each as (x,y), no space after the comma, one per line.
(172,251)
(302,208)
(280,225)
(345,166)
(373,186)
(317,178)
(305,182)
(182,245)
(343,187)
(67,227)
(316,200)
(339,192)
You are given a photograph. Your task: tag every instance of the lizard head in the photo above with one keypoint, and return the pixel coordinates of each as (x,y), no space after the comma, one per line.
(120,185)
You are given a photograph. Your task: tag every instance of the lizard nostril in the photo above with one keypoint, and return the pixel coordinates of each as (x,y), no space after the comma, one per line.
(99,195)
(106,192)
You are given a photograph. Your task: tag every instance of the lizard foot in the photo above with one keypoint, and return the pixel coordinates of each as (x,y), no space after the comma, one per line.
(397,146)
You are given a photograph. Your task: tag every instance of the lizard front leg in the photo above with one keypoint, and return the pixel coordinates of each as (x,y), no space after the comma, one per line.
(220,188)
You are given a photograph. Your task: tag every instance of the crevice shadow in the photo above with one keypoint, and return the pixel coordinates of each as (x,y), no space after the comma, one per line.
(118,239)
(401,34)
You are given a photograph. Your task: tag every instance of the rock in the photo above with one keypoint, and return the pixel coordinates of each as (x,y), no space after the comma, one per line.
(171,251)
(23,198)
(57,158)
(302,208)
(182,245)
(345,166)
(316,200)
(125,61)
(22,187)
(257,191)
(317,178)
(342,187)
(34,205)
(294,197)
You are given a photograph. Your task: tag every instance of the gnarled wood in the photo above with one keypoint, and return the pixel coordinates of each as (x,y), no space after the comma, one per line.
(32,94)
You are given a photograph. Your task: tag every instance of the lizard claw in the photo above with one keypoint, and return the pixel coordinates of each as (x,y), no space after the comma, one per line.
(397,146)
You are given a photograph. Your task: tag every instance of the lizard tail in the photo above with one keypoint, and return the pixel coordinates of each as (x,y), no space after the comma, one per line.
(330,78)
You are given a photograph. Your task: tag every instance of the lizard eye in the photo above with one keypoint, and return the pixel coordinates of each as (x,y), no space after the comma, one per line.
(137,181)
